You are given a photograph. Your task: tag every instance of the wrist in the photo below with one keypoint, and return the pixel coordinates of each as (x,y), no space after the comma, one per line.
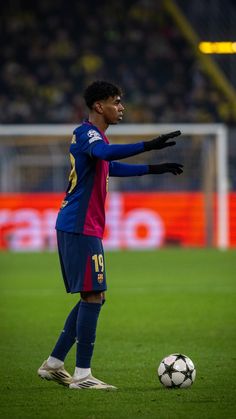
(148,145)
(154,169)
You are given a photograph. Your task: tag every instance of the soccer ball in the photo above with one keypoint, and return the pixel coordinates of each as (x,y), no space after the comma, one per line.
(176,371)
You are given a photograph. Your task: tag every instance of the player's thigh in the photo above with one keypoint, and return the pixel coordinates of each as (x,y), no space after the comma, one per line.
(82,263)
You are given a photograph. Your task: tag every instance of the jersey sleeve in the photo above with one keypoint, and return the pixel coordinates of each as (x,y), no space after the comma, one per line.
(125,170)
(110,152)
(87,140)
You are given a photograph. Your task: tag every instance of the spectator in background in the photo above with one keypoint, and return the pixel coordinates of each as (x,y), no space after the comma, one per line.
(50,50)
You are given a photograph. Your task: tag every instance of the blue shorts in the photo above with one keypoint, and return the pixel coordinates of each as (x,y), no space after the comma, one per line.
(82,262)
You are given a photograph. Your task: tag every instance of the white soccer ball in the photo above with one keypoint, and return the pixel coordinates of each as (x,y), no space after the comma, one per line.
(176,371)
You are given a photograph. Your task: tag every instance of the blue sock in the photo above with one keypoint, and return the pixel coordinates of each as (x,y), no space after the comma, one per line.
(67,338)
(86,332)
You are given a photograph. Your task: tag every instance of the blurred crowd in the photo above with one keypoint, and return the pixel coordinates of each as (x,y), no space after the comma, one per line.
(51,50)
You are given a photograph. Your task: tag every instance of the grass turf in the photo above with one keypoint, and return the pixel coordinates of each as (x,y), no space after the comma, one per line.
(158,303)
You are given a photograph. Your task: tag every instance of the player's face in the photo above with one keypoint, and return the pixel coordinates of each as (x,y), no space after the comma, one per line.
(112,110)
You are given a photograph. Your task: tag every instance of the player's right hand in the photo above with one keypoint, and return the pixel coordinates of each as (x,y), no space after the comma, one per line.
(158,169)
(161,142)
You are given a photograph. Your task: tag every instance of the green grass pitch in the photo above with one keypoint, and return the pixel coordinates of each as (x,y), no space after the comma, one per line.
(159,302)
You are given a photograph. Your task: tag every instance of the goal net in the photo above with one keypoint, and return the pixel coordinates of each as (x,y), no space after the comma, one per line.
(142,212)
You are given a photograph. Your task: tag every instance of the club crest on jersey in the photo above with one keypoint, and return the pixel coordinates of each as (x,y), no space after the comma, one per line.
(93,136)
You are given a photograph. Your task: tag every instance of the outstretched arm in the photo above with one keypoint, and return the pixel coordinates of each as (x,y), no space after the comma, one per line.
(111,152)
(117,169)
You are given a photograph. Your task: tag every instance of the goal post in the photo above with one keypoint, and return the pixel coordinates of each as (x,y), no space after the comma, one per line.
(220,132)
(201,147)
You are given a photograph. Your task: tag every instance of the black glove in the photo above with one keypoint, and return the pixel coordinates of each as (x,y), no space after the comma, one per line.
(157,169)
(161,141)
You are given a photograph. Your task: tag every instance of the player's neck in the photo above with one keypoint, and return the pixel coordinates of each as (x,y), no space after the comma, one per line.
(98,122)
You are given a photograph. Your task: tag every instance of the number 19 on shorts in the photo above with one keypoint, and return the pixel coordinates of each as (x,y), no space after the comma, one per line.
(98,262)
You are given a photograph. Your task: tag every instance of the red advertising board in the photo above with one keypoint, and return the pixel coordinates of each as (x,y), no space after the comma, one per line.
(134,220)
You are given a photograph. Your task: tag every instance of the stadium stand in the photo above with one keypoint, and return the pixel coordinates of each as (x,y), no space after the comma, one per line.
(51,51)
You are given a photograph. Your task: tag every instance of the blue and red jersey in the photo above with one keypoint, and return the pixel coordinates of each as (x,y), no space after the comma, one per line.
(91,156)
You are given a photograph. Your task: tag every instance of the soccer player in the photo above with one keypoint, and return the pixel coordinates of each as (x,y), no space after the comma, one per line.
(80,226)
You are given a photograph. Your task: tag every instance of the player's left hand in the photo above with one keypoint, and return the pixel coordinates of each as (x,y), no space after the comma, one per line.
(161,142)
(158,169)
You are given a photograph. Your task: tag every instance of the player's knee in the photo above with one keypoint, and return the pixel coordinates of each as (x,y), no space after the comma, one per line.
(92,297)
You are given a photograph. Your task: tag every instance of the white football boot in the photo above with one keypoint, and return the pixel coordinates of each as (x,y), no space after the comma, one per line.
(60,375)
(90,382)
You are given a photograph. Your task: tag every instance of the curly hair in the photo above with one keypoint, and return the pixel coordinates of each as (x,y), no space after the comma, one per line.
(100,90)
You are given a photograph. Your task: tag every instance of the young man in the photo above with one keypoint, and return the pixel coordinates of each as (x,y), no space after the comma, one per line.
(80,226)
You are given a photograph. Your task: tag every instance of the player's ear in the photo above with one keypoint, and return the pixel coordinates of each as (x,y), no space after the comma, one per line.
(98,107)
